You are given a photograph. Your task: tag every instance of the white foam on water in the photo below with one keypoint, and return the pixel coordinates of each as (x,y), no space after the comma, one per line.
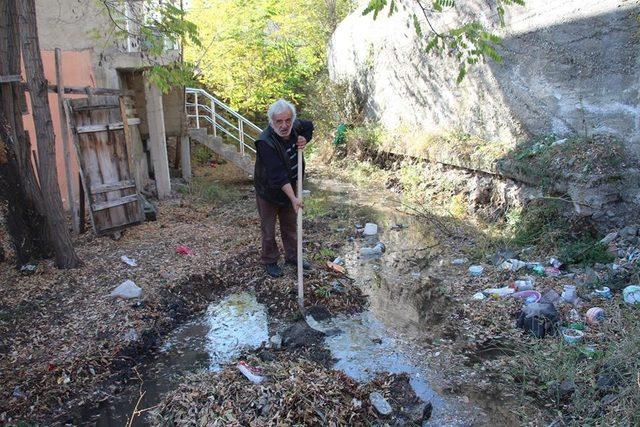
(236,323)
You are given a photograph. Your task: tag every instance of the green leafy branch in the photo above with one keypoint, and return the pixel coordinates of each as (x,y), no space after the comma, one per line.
(469,44)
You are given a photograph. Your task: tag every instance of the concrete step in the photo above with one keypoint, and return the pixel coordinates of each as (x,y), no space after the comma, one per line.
(226,151)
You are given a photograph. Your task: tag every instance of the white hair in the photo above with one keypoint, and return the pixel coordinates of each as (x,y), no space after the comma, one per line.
(280,106)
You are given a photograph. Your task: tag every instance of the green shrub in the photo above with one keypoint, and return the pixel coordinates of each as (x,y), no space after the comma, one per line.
(202,155)
(207,191)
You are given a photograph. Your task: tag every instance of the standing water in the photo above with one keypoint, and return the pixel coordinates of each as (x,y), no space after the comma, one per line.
(236,323)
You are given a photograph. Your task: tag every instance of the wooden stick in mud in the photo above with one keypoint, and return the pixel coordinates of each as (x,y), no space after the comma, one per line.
(299,233)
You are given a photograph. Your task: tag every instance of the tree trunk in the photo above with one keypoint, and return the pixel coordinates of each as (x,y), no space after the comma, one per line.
(64,253)
(19,186)
(12,192)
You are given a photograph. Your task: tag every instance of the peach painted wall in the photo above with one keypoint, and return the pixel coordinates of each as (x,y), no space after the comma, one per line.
(76,71)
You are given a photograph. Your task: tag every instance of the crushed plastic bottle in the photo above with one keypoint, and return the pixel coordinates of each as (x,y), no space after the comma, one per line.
(129,261)
(250,372)
(377,250)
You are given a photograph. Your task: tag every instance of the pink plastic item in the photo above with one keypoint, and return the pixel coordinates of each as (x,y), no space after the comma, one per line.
(184,250)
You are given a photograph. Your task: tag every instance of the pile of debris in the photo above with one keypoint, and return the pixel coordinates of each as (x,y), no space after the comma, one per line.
(291,391)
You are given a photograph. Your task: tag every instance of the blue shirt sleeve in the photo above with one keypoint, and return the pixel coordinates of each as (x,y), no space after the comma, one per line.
(277,174)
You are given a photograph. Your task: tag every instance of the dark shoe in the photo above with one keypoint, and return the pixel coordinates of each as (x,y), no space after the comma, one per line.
(305,264)
(273,270)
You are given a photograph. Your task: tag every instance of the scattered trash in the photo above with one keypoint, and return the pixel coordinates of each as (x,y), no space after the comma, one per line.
(552,271)
(603,292)
(525,284)
(336,268)
(513,264)
(595,315)
(129,261)
(250,372)
(338,261)
(380,403)
(478,296)
(551,296)
(538,269)
(498,292)
(27,269)
(572,336)
(529,296)
(370,229)
(356,403)
(569,293)
(415,274)
(573,315)
(184,250)
(459,261)
(631,294)
(306,193)
(378,249)
(539,318)
(399,226)
(476,270)
(555,262)
(502,255)
(276,341)
(126,289)
(559,142)
(131,335)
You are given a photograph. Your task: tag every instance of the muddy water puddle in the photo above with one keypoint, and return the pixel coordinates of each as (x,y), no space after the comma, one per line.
(230,326)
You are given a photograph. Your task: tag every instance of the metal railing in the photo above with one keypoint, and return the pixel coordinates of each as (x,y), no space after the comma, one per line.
(224,121)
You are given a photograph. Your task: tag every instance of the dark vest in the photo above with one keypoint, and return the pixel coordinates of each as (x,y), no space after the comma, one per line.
(260,180)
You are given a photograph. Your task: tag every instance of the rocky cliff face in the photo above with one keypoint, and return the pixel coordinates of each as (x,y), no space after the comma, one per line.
(570,66)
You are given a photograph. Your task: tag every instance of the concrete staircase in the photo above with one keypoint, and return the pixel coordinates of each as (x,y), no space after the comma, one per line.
(226,151)
(233,135)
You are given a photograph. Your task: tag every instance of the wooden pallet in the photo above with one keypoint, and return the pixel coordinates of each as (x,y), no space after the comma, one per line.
(102,135)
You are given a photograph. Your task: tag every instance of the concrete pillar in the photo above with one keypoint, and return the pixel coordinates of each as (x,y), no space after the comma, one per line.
(185,157)
(157,138)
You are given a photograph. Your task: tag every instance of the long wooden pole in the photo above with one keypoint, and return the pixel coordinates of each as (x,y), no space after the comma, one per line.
(64,130)
(299,233)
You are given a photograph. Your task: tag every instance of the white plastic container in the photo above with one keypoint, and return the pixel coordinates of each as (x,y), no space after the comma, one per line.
(370,229)
(476,270)
(569,293)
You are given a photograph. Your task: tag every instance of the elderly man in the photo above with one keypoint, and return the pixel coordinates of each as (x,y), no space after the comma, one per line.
(276,173)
